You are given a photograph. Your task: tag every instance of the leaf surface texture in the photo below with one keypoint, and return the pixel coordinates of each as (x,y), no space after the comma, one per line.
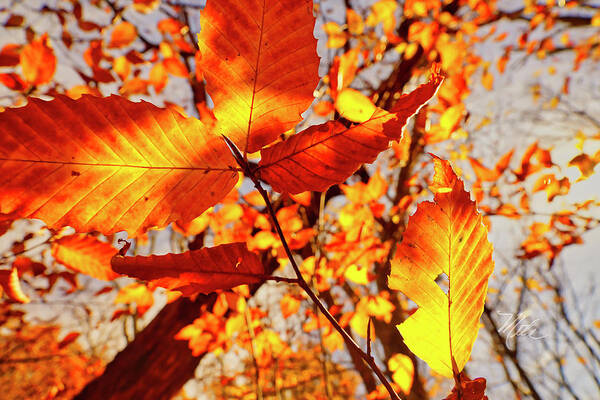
(446,236)
(261,66)
(108,164)
(195,271)
(85,254)
(327,154)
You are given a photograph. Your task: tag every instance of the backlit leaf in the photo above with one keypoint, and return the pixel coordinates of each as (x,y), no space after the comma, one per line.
(195,271)
(446,236)
(123,35)
(38,61)
(261,67)
(354,106)
(404,370)
(85,254)
(138,294)
(327,154)
(108,164)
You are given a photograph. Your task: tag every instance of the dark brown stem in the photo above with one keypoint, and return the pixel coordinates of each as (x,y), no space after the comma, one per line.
(302,283)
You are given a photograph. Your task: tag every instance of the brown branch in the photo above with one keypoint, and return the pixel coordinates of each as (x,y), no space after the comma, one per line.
(301,282)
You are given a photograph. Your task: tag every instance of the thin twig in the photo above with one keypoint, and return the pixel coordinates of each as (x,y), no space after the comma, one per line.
(369,338)
(301,282)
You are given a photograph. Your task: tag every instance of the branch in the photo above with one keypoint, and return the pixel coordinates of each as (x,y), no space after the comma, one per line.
(301,282)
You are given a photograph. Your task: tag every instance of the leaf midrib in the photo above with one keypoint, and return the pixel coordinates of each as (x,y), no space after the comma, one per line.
(258,55)
(114,165)
(324,140)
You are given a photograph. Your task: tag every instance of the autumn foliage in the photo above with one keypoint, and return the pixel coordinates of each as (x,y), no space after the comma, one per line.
(319,221)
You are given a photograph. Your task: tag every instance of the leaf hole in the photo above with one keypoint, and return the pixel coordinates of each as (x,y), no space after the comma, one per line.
(443,282)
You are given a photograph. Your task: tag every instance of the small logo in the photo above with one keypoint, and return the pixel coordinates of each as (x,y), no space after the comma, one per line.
(518,325)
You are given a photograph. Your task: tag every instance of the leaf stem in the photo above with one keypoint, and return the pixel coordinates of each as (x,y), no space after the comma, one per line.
(301,282)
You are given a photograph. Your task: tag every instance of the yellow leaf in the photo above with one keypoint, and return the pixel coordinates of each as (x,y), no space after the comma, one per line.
(354,106)
(9,281)
(402,367)
(487,80)
(448,237)
(138,294)
(596,19)
(359,322)
(356,274)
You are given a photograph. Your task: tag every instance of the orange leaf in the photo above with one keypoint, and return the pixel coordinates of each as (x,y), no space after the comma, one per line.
(443,237)
(9,281)
(261,70)
(291,166)
(38,62)
(108,164)
(123,35)
(195,271)
(138,294)
(289,305)
(145,6)
(176,67)
(85,254)
(482,172)
(158,77)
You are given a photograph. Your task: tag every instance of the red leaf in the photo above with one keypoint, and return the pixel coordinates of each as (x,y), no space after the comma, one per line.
(13,82)
(108,164)
(471,390)
(67,340)
(195,271)
(9,55)
(327,154)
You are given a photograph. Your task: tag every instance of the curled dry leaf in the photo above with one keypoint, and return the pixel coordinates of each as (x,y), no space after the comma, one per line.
(446,236)
(250,59)
(108,164)
(85,254)
(327,154)
(9,281)
(195,271)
